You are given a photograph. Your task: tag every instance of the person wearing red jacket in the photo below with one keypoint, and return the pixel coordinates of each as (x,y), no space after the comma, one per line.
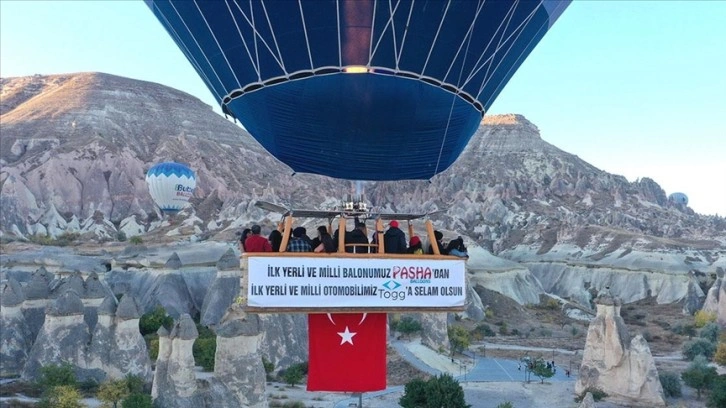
(256,242)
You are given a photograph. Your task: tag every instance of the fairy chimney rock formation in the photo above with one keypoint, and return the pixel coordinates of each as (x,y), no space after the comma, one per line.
(716,298)
(72,282)
(14,332)
(223,291)
(237,362)
(36,299)
(162,362)
(229,260)
(128,352)
(173,262)
(63,337)
(175,382)
(612,361)
(99,352)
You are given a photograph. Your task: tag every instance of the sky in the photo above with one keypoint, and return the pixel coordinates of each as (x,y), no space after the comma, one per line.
(635,88)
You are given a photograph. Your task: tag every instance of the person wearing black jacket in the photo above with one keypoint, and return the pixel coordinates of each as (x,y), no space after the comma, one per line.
(394,240)
(439,241)
(357,236)
(326,241)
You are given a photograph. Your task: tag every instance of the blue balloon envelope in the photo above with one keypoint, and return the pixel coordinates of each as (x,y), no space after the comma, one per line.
(678,198)
(171,185)
(358,89)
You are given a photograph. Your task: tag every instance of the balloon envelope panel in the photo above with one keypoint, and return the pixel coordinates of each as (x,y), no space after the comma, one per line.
(358,89)
(171,185)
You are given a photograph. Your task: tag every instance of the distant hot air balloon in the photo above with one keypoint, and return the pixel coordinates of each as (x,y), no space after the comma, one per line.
(358,89)
(678,198)
(171,185)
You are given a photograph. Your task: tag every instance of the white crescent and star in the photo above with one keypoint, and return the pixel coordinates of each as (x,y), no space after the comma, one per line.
(346,336)
(330,317)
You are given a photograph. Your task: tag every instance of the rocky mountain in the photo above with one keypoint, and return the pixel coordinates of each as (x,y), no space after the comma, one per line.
(74,149)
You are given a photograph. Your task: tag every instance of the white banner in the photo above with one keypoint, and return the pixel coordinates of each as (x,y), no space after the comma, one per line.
(286,282)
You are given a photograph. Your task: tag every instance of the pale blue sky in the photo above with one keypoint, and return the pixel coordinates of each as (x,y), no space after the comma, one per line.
(636,88)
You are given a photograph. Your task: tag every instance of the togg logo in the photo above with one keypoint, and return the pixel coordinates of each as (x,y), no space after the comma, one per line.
(391,285)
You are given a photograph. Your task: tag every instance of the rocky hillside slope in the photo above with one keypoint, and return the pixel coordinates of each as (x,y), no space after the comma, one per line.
(74,149)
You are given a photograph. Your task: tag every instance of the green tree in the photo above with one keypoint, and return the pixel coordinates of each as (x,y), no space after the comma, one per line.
(293,375)
(699,375)
(720,356)
(444,391)
(137,400)
(408,325)
(507,404)
(150,322)
(56,375)
(204,350)
(717,399)
(698,346)
(710,332)
(671,384)
(414,394)
(459,339)
(268,365)
(113,391)
(438,392)
(61,396)
(136,240)
(541,369)
(481,331)
(134,383)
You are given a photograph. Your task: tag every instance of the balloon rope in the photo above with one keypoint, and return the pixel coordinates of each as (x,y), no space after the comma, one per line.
(446,132)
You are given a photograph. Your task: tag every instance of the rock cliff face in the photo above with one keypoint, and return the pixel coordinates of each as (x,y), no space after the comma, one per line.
(612,361)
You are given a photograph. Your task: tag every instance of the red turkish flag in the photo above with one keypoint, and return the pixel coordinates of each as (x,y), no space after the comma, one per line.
(347,352)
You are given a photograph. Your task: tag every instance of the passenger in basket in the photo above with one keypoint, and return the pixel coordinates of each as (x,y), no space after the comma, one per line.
(439,242)
(275,239)
(256,242)
(358,236)
(326,241)
(297,242)
(457,248)
(415,246)
(246,233)
(394,240)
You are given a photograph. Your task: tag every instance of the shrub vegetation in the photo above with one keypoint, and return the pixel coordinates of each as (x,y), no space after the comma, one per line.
(671,384)
(698,346)
(438,392)
(699,375)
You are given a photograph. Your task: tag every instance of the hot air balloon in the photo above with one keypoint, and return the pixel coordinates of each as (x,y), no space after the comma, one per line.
(358,89)
(171,185)
(678,198)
